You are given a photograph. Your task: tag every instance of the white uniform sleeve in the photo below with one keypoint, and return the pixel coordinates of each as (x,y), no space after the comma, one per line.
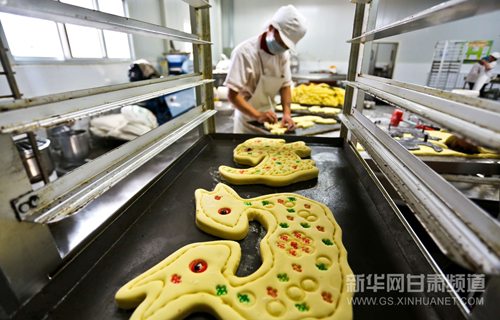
(287,72)
(239,71)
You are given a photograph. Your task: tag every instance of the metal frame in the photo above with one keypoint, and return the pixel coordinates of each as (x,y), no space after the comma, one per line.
(65,13)
(25,237)
(464,232)
(70,192)
(482,128)
(442,13)
(67,110)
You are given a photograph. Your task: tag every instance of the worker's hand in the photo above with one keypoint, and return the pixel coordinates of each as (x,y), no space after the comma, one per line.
(268,116)
(287,122)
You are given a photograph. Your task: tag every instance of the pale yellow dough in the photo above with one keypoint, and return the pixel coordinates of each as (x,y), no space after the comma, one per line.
(301,122)
(275,163)
(293,107)
(304,272)
(325,110)
(444,139)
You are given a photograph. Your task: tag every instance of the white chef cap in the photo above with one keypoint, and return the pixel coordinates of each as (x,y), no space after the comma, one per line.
(291,25)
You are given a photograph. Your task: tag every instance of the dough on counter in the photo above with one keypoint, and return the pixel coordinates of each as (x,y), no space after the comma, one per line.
(325,110)
(275,163)
(304,272)
(293,107)
(301,122)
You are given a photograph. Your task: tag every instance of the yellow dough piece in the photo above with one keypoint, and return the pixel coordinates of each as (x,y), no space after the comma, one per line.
(320,94)
(326,110)
(303,275)
(445,138)
(301,122)
(293,107)
(275,163)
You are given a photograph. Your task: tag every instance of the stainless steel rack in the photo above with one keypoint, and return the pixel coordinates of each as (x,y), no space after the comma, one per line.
(465,233)
(25,238)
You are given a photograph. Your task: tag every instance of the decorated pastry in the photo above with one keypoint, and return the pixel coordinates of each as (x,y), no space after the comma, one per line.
(303,274)
(275,163)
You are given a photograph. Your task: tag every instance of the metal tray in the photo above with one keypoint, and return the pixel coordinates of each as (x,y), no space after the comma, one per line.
(162,219)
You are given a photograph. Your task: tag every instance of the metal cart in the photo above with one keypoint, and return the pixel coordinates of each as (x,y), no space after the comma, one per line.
(39,280)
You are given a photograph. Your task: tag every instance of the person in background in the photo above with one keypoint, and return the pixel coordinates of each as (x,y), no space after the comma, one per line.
(482,72)
(260,68)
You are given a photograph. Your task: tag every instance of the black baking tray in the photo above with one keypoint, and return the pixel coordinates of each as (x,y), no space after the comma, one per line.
(161,219)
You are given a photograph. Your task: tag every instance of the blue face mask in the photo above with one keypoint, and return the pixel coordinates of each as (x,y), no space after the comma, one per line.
(274,47)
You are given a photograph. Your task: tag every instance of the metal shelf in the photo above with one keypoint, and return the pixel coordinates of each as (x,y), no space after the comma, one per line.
(87,182)
(466,234)
(462,119)
(26,238)
(64,110)
(445,12)
(65,13)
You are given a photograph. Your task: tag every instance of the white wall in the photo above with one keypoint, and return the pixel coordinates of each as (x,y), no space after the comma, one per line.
(330,26)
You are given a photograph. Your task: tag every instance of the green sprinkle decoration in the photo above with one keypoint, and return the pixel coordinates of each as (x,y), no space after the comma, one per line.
(284,225)
(302,306)
(267,146)
(297,161)
(283,277)
(257,171)
(229,170)
(279,163)
(278,154)
(265,202)
(328,242)
(283,170)
(305,225)
(249,153)
(292,199)
(243,298)
(290,210)
(247,203)
(321,267)
(221,290)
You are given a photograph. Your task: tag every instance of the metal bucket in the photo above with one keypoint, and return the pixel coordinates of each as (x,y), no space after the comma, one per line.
(75,146)
(29,161)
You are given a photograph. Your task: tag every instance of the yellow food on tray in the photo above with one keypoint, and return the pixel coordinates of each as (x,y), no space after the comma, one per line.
(445,141)
(325,110)
(304,272)
(293,107)
(276,163)
(318,94)
(301,122)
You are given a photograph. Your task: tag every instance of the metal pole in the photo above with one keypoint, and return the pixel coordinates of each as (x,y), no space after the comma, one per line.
(353,64)
(8,70)
(38,157)
(200,25)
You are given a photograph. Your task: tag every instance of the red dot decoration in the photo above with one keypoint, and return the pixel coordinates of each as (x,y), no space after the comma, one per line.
(224,211)
(176,279)
(198,266)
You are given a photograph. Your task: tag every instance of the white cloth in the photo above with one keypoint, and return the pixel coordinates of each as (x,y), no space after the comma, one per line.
(473,73)
(245,71)
(133,121)
(484,76)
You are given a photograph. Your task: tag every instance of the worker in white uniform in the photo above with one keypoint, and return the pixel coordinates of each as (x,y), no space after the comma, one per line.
(260,68)
(482,72)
